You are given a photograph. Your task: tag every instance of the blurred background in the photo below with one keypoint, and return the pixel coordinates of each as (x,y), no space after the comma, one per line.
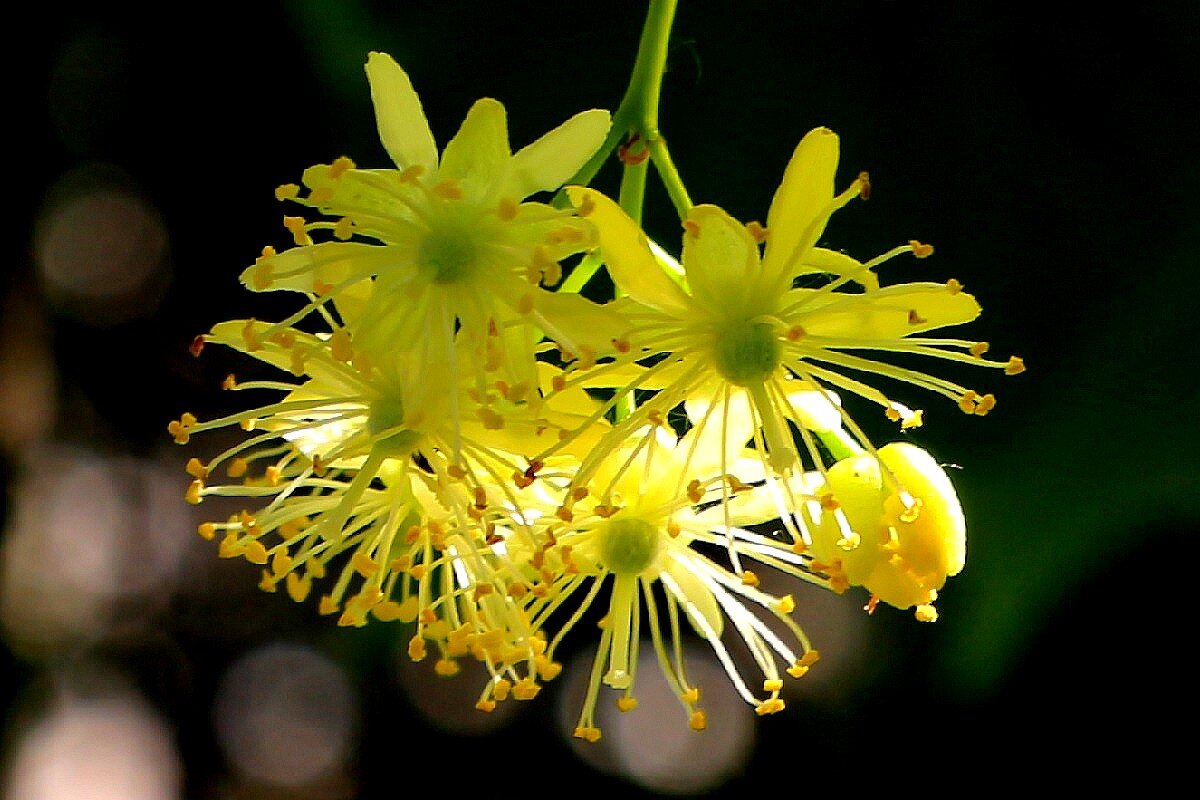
(1049,154)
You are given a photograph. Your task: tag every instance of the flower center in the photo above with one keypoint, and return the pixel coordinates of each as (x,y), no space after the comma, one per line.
(447,256)
(628,545)
(387,414)
(747,353)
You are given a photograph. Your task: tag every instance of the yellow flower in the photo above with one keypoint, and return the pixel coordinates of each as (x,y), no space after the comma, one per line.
(446,241)
(358,470)
(897,528)
(732,325)
(639,530)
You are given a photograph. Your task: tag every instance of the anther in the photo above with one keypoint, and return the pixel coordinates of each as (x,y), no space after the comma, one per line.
(339,167)
(785,604)
(953,286)
(626,152)
(197,346)
(920,250)
(1015,366)
(195,467)
(288,191)
(449,189)
(914,318)
(925,613)
(872,604)
(864,185)
(344,229)
(507,210)
(295,226)
(979,348)
(986,404)
(229,383)
(692,227)
(757,231)
(322,194)
(749,578)
(698,721)
(411,173)
(340,347)
(627,703)
(772,685)
(794,333)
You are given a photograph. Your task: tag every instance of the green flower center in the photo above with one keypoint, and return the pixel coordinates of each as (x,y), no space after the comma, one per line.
(628,545)
(747,353)
(447,256)
(387,414)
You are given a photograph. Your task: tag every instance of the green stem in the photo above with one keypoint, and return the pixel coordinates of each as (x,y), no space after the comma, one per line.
(670,176)
(840,444)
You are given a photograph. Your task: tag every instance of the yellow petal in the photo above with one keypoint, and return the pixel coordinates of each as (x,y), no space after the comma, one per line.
(889,313)
(720,259)
(830,262)
(548,162)
(727,427)
(403,128)
(626,252)
(698,600)
(800,208)
(576,322)
(329,263)
(478,154)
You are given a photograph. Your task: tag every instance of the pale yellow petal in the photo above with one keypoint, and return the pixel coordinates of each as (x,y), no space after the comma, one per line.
(403,128)
(720,259)
(304,269)
(626,252)
(801,206)
(831,262)
(478,154)
(722,430)
(889,313)
(548,162)
(698,599)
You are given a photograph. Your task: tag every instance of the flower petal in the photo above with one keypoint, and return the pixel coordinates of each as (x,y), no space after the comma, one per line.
(831,262)
(548,162)
(889,313)
(720,259)
(301,268)
(721,432)
(801,206)
(626,252)
(697,599)
(478,154)
(403,128)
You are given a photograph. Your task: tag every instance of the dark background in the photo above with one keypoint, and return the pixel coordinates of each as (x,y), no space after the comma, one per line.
(1048,151)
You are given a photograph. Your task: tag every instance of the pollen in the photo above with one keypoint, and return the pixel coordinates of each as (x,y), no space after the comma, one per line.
(953,286)
(979,348)
(287,191)
(627,703)
(446,667)
(1015,366)
(237,467)
(698,721)
(195,467)
(772,685)
(207,530)
(344,229)
(785,604)
(749,578)
(193,493)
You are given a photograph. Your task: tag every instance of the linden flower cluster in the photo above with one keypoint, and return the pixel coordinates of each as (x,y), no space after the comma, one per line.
(454,441)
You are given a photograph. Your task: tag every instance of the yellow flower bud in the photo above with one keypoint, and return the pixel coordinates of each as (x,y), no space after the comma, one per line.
(911,531)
